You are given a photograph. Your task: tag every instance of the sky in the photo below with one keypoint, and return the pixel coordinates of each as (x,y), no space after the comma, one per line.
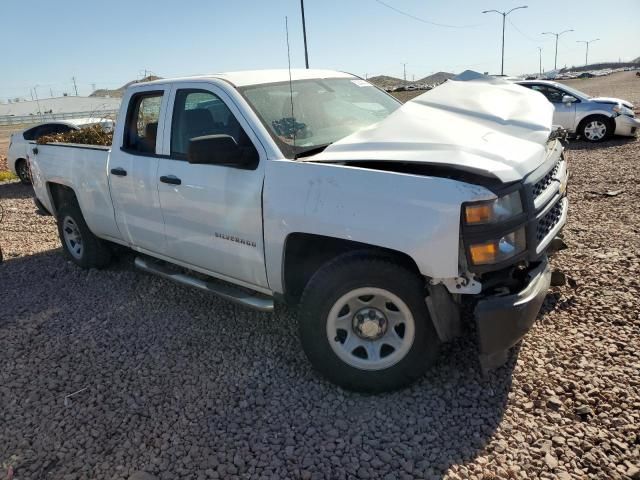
(107,43)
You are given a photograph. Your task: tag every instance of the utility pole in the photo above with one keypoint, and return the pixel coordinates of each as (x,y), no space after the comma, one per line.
(404,71)
(31,92)
(504,18)
(93,87)
(557,35)
(74,85)
(37,101)
(50,92)
(304,34)
(587,42)
(540,57)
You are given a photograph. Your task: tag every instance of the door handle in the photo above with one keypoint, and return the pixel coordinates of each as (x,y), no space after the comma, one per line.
(120,172)
(170,179)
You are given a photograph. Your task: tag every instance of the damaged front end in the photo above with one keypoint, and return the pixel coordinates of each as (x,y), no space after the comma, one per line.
(513,290)
(505,245)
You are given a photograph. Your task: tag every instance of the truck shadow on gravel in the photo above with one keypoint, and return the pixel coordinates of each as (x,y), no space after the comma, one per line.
(177,382)
(15,190)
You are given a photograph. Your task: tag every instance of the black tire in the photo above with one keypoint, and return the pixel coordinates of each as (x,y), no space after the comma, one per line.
(606,122)
(346,274)
(22,169)
(95,253)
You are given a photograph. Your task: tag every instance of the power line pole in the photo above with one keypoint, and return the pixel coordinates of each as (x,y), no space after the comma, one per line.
(51,92)
(304,34)
(557,35)
(540,57)
(587,42)
(404,71)
(504,18)
(74,85)
(37,101)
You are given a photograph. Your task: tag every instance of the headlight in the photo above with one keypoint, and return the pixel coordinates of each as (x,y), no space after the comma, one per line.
(493,211)
(498,250)
(622,110)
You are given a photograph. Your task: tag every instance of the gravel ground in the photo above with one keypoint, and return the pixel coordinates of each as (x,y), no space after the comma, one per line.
(107,373)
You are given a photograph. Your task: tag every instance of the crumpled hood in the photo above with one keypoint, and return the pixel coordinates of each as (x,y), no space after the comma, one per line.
(487,126)
(611,100)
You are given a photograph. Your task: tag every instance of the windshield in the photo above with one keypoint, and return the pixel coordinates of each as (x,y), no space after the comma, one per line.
(319,111)
(574,92)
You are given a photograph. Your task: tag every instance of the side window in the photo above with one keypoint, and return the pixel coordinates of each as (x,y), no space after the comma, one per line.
(47,129)
(31,134)
(553,94)
(141,128)
(197,113)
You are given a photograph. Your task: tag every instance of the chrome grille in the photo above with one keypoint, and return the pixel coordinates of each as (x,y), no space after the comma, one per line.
(548,221)
(542,184)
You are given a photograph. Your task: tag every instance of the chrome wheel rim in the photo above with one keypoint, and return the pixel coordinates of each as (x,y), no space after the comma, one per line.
(595,130)
(370,328)
(72,237)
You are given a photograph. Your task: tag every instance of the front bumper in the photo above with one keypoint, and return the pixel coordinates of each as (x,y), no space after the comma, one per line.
(627,126)
(503,320)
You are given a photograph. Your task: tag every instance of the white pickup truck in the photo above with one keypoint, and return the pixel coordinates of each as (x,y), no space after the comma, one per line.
(379,220)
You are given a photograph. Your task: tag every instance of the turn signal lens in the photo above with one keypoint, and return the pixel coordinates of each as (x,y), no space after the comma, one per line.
(498,250)
(478,213)
(483,253)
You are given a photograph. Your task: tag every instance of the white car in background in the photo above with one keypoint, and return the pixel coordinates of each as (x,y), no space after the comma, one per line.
(20,142)
(593,118)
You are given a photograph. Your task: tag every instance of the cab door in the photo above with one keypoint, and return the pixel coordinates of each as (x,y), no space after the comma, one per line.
(212,213)
(133,169)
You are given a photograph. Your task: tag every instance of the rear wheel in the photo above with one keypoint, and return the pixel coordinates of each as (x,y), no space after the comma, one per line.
(79,244)
(22,169)
(596,128)
(364,324)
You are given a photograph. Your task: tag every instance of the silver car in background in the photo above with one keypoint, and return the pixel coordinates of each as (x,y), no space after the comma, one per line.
(594,119)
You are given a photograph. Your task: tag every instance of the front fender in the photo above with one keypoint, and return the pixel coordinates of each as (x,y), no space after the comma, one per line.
(414,214)
(581,115)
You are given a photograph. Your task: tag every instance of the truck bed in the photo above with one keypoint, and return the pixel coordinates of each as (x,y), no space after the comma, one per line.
(82,168)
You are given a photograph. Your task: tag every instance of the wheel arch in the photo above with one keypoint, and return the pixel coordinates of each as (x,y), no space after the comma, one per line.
(597,114)
(60,194)
(305,253)
(17,161)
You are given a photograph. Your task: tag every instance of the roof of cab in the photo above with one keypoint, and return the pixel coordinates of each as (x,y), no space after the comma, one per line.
(259,77)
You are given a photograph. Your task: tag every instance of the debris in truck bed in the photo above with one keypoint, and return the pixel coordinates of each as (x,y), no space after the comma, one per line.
(91,135)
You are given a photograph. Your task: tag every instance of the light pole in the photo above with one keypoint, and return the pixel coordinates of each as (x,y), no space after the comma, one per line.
(540,57)
(555,62)
(504,18)
(304,34)
(587,42)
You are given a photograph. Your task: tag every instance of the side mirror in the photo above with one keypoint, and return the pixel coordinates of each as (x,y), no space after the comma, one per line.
(568,99)
(221,150)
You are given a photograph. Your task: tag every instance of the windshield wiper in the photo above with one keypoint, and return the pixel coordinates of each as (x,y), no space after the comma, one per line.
(311,151)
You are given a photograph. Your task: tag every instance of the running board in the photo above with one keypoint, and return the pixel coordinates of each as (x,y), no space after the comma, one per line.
(228,292)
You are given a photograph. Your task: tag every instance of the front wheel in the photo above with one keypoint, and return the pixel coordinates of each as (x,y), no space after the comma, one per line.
(596,129)
(364,324)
